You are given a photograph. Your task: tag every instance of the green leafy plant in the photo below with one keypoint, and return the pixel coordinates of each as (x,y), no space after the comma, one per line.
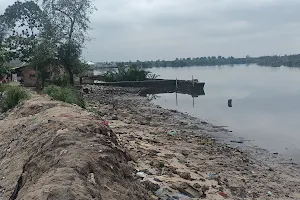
(13,96)
(132,73)
(65,94)
(62,81)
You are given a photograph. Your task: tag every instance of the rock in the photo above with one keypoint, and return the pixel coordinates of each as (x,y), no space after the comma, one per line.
(146,171)
(62,131)
(197,185)
(189,191)
(271,170)
(151,185)
(185,153)
(35,127)
(114,117)
(158,180)
(162,192)
(141,174)
(144,123)
(185,175)
(92,178)
(205,188)
(153,152)
(85,90)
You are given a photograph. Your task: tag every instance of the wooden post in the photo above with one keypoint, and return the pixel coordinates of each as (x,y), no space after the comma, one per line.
(193,81)
(176,92)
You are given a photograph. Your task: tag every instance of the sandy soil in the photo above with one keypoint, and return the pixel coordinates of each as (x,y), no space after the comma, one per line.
(175,154)
(51,150)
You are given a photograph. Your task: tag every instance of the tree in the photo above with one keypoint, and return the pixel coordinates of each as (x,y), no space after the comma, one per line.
(24,22)
(68,55)
(45,60)
(3,51)
(71,17)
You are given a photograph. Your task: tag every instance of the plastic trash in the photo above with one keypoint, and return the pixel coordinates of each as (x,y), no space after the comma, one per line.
(212,176)
(269,193)
(223,194)
(141,174)
(173,133)
(105,123)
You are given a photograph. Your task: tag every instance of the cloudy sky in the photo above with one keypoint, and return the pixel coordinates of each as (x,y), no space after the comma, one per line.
(165,29)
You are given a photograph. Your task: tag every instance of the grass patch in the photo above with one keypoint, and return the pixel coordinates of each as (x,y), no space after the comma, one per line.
(4,87)
(12,97)
(65,94)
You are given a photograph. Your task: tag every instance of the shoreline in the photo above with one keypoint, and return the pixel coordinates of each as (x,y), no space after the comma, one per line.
(191,150)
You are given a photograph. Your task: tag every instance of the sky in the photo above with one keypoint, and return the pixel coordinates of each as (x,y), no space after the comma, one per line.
(125,30)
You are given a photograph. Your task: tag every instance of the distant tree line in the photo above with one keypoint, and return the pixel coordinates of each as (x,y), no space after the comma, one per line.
(273,61)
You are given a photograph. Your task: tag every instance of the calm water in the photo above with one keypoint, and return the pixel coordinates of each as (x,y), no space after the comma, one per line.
(266,102)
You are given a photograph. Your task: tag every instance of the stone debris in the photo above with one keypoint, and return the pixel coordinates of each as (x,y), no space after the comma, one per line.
(182,155)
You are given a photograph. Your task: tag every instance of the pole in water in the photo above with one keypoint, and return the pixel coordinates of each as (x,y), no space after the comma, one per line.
(193,81)
(176,83)
(230,103)
(193,102)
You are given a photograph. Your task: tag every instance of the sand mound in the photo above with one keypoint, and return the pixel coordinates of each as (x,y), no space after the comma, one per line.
(51,150)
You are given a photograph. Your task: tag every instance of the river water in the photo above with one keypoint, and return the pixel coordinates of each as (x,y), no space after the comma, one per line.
(266,102)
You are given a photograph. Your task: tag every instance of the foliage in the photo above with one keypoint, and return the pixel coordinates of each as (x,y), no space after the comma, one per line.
(13,96)
(24,20)
(62,81)
(72,19)
(132,73)
(65,94)
(4,87)
(68,55)
(273,61)
(47,33)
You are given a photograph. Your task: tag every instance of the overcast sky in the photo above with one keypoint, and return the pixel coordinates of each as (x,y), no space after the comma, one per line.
(165,29)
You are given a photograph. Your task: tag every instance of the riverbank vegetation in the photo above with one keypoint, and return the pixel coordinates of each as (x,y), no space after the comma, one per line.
(48,35)
(65,94)
(132,73)
(11,96)
(272,61)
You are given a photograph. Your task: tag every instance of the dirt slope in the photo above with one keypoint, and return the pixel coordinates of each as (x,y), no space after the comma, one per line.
(51,150)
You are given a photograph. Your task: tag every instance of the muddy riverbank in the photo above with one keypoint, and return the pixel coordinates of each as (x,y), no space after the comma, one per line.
(53,150)
(178,156)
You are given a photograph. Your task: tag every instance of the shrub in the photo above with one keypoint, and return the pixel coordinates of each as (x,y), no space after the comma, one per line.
(132,73)
(13,96)
(65,94)
(62,81)
(4,87)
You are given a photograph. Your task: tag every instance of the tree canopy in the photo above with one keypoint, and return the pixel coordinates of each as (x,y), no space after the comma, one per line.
(46,32)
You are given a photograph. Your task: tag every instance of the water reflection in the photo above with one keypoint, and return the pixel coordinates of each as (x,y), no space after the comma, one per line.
(153,93)
(194,92)
(266,102)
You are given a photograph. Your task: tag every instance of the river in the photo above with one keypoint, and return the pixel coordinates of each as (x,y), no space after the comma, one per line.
(266,102)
